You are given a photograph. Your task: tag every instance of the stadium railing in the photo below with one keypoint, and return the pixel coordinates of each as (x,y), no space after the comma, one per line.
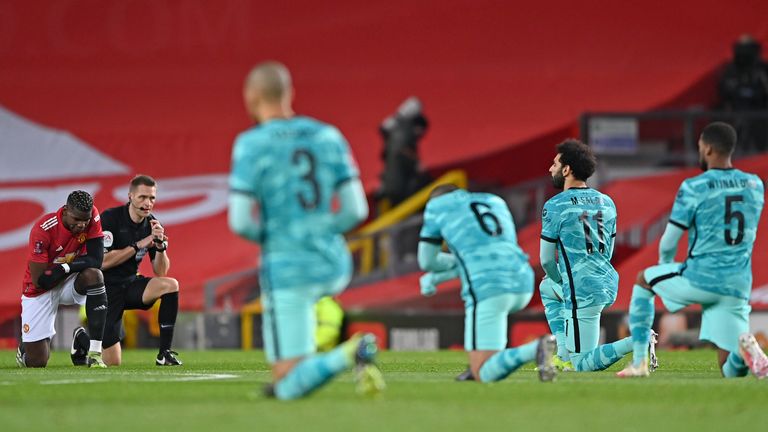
(362,242)
(664,138)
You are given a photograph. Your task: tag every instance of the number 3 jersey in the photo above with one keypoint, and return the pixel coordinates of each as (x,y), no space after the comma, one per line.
(292,167)
(480,232)
(720,208)
(582,223)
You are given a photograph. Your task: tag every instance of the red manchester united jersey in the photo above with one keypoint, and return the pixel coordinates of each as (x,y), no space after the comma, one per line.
(52,243)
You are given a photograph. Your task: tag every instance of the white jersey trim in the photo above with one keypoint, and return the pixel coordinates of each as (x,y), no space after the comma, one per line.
(50,223)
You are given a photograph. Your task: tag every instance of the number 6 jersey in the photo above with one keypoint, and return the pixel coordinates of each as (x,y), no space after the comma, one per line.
(720,208)
(480,232)
(582,223)
(292,167)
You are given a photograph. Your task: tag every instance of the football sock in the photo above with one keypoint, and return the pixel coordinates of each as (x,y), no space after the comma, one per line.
(503,363)
(641,312)
(603,356)
(734,366)
(96,311)
(553,310)
(166,317)
(94,346)
(311,373)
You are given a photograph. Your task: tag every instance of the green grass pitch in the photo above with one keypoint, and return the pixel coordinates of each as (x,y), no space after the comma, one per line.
(219,391)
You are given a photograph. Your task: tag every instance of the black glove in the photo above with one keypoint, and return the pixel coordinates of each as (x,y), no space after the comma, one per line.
(52,276)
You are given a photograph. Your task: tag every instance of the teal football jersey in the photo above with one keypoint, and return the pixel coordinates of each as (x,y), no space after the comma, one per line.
(582,222)
(720,208)
(480,232)
(292,167)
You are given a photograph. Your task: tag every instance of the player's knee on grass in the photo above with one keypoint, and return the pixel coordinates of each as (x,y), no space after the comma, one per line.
(36,354)
(88,278)
(477,359)
(281,368)
(722,357)
(112,355)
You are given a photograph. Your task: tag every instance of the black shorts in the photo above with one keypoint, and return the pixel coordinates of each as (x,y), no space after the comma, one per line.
(121,298)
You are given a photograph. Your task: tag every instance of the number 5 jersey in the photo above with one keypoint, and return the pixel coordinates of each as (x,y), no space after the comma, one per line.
(721,209)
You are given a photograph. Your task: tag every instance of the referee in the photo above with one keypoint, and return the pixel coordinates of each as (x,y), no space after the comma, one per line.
(131,232)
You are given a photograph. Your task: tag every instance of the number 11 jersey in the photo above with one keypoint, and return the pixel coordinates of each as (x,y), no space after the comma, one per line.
(721,209)
(582,223)
(292,167)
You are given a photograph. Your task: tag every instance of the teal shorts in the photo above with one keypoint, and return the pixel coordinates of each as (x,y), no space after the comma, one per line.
(723,318)
(288,319)
(485,323)
(582,334)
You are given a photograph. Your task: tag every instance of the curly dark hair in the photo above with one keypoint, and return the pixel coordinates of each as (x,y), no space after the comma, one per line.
(579,157)
(81,201)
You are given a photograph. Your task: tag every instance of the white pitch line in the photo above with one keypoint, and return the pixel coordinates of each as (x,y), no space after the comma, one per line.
(74,381)
(163,378)
(201,377)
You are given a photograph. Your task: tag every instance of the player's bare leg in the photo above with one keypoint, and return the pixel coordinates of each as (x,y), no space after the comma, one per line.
(36,354)
(281,368)
(157,287)
(477,359)
(113,356)
(722,357)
